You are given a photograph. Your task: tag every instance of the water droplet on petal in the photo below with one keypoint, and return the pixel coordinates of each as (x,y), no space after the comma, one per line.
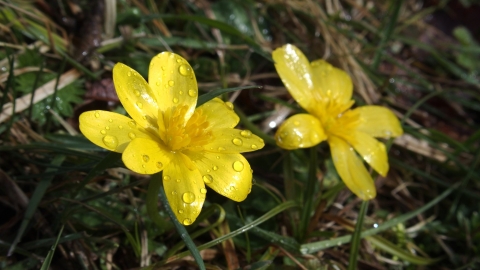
(103,132)
(107,128)
(180,211)
(132,124)
(131,135)
(110,141)
(218,157)
(180,92)
(246,133)
(178,180)
(159,165)
(207,178)
(229,105)
(188,197)
(175,100)
(179,60)
(192,92)
(145,158)
(187,222)
(221,148)
(97,114)
(296,123)
(171,83)
(120,127)
(254,146)
(137,93)
(203,190)
(166,178)
(129,73)
(215,168)
(237,141)
(238,166)
(157,83)
(184,70)
(139,105)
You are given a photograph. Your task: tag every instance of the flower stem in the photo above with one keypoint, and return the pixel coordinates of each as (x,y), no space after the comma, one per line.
(309,193)
(355,244)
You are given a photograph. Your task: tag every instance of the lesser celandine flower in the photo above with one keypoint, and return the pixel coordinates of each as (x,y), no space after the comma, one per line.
(325,92)
(193,146)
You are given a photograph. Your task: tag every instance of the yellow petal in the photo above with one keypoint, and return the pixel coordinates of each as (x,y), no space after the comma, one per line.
(228,140)
(370,149)
(332,82)
(109,130)
(219,114)
(228,174)
(351,169)
(146,156)
(136,96)
(296,74)
(173,81)
(378,121)
(300,131)
(185,190)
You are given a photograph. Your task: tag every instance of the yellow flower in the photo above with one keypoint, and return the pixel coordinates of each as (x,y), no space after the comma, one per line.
(325,92)
(193,146)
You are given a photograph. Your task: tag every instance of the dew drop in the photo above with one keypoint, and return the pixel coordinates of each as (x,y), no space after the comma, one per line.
(203,190)
(107,128)
(166,178)
(145,158)
(129,73)
(188,197)
(180,211)
(178,180)
(184,70)
(238,166)
(139,105)
(215,168)
(218,157)
(120,127)
(137,93)
(110,141)
(103,132)
(208,170)
(296,123)
(246,133)
(254,146)
(192,92)
(171,83)
(97,114)
(175,100)
(221,148)
(179,60)
(159,165)
(180,92)
(237,141)
(229,105)
(131,135)
(132,124)
(207,178)
(174,193)
(187,222)
(157,83)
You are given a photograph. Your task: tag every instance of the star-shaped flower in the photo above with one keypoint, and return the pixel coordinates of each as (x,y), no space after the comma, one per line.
(325,92)
(193,146)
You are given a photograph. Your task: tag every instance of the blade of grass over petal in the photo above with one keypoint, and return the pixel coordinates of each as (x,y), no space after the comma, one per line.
(37,196)
(156,187)
(317,246)
(215,93)
(254,128)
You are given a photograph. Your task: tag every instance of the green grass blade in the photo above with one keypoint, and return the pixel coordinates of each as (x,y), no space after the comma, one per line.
(48,259)
(355,246)
(309,194)
(37,196)
(317,246)
(215,93)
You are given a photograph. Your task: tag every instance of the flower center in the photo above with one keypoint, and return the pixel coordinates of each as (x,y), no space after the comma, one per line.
(179,135)
(330,111)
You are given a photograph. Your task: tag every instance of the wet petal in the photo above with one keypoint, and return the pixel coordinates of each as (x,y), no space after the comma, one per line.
(172,79)
(219,114)
(300,131)
(370,149)
(351,169)
(146,156)
(228,140)
(185,190)
(332,82)
(109,130)
(296,74)
(228,174)
(135,95)
(378,121)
